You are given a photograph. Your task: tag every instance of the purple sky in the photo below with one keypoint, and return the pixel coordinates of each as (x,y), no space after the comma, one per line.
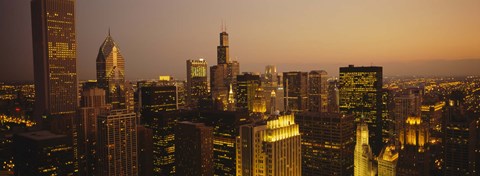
(410,37)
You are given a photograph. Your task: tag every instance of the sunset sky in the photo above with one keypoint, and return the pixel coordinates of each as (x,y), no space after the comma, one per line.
(157,36)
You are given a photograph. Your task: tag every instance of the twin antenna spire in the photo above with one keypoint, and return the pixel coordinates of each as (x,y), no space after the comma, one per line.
(223,28)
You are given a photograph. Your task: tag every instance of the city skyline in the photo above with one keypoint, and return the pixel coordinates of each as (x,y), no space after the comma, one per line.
(439,36)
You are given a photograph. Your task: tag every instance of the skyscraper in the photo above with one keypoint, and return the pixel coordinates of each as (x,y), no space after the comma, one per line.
(197,85)
(414,155)
(92,105)
(328,141)
(387,161)
(145,151)
(460,138)
(295,86)
(224,73)
(360,90)
(317,91)
(194,149)
(247,85)
(117,144)
(363,156)
(156,100)
(269,148)
(55,57)
(111,73)
(43,153)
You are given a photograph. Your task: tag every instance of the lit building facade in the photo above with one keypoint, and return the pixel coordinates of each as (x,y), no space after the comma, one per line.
(269,148)
(360,90)
(363,156)
(295,86)
(156,100)
(414,154)
(55,57)
(194,149)
(117,144)
(327,143)
(387,161)
(318,91)
(111,73)
(197,83)
(43,153)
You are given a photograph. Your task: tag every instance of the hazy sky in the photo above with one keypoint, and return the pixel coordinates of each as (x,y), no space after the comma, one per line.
(157,36)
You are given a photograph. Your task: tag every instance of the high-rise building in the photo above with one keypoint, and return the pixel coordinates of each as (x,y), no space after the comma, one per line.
(460,138)
(295,86)
(363,156)
(270,78)
(333,96)
(387,161)
(111,73)
(43,153)
(414,154)
(92,105)
(193,149)
(223,74)
(406,105)
(117,144)
(197,83)
(327,143)
(318,91)
(360,90)
(145,151)
(269,148)
(156,100)
(247,85)
(55,57)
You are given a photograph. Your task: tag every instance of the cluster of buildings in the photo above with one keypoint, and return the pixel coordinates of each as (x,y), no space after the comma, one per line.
(230,123)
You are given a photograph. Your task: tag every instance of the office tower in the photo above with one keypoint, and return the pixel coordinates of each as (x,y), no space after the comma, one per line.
(295,85)
(194,149)
(269,148)
(407,104)
(55,57)
(111,73)
(145,151)
(333,95)
(387,161)
(327,143)
(363,156)
(224,73)
(92,104)
(270,78)
(226,126)
(259,102)
(223,52)
(117,144)
(156,99)
(460,137)
(273,102)
(360,90)
(414,155)
(317,91)
(129,97)
(197,83)
(247,85)
(43,153)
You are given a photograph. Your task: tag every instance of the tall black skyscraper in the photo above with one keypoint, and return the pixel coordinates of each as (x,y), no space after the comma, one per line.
(55,57)
(360,90)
